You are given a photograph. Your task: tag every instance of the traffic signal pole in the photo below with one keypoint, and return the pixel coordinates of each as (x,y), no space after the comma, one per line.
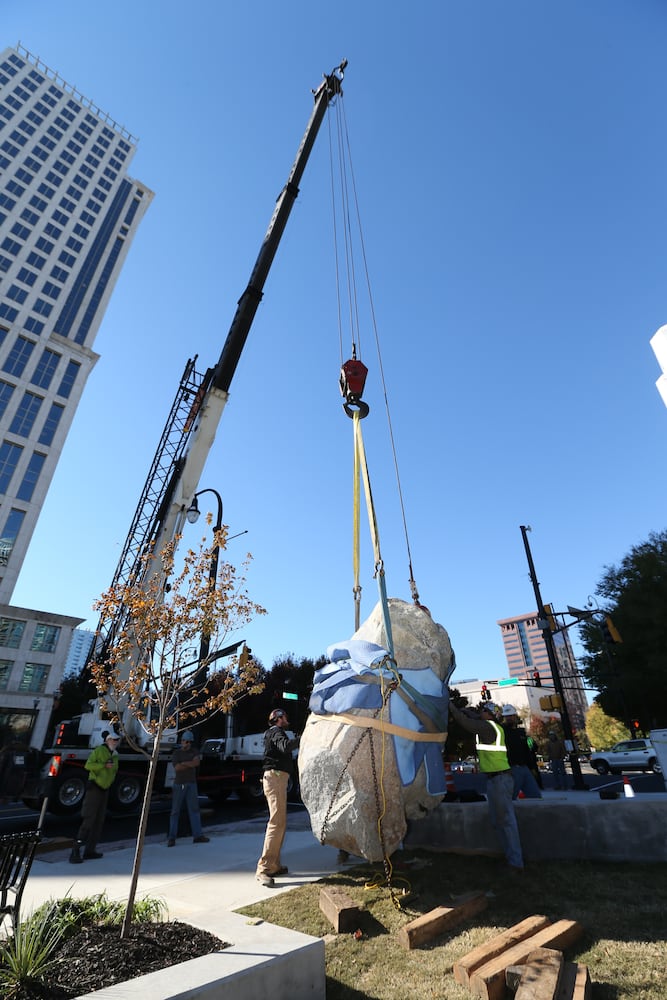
(547,635)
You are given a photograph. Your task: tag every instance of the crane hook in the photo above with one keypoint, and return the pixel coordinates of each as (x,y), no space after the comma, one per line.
(352,381)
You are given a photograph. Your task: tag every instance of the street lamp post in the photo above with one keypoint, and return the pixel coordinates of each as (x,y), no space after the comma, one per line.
(553,663)
(192,514)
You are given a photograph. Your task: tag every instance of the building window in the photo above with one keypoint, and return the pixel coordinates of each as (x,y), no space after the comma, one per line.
(45,369)
(27,276)
(6,391)
(10,534)
(51,424)
(27,487)
(17,294)
(33,325)
(18,357)
(69,378)
(5,671)
(26,413)
(34,677)
(11,632)
(53,291)
(9,458)
(42,308)
(6,312)
(45,638)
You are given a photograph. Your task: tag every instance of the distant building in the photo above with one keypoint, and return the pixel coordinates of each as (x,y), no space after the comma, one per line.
(68,214)
(526,655)
(33,653)
(79,647)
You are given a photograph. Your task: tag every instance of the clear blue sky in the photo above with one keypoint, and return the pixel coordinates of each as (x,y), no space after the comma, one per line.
(510,165)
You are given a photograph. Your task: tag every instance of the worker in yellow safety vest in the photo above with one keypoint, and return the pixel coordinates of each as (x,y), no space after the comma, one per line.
(493,762)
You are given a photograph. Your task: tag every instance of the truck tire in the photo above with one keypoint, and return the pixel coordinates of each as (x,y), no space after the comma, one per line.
(127,792)
(655,767)
(251,792)
(601,766)
(220,796)
(293,790)
(68,792)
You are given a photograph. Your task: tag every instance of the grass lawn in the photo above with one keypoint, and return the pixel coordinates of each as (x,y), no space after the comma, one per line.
(622,907)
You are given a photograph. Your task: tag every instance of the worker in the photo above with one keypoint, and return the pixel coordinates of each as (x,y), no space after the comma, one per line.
(102,767)
(521,755)
(277,767)
(184,790)
(493,762)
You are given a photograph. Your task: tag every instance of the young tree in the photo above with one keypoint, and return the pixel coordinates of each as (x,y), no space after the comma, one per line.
(144,670)
(603,730)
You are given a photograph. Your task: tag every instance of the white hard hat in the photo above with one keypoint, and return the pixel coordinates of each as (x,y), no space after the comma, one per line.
(509,710)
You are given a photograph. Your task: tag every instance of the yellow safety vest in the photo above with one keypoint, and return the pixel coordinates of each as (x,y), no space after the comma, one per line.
(493,756)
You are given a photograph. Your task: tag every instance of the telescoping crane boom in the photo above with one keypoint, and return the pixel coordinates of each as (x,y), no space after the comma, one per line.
(191,428)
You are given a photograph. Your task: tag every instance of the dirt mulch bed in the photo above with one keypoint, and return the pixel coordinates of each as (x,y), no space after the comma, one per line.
(97,957)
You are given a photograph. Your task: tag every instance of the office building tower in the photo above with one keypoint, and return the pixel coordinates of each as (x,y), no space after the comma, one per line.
(79,647)
(528,661)
(68,214)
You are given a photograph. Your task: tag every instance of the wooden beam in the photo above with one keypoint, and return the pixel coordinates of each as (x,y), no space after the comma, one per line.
(464,968)
(439,920)
(488,981)
(340,909)
(575,982)
(541,975)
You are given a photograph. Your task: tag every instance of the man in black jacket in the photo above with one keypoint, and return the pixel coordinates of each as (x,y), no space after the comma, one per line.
(277,767)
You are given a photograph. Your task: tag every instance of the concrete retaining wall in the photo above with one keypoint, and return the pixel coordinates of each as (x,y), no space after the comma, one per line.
(624,829)
(265,960)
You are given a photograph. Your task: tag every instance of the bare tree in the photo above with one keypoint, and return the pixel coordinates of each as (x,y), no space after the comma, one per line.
(147,677)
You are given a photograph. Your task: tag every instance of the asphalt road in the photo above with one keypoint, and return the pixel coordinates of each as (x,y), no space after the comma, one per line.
(640,781)
(15,818)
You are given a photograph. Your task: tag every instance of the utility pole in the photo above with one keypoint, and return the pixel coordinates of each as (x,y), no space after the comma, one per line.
(553,663)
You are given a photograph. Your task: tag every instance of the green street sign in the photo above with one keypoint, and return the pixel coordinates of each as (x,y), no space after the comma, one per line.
(506,683)
(290,696)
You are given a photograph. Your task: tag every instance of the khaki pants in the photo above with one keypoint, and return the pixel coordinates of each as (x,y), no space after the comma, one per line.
(275,790)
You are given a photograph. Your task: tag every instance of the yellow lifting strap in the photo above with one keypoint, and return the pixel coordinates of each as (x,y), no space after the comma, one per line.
(361,472)
(369,722)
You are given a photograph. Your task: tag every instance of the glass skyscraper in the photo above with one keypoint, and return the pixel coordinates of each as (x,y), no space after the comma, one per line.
(68,214)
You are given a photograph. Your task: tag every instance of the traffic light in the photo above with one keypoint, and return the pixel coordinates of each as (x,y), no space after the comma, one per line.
(610,633)
(549,612)
(244,657)
(485,694)
(634,723)
(537,679)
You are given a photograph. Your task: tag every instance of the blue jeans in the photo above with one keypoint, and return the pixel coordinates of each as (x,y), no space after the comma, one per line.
(558,771)
(185,793)
(499,791)
(524,781)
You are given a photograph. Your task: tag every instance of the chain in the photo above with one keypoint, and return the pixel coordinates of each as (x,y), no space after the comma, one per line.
(323,831)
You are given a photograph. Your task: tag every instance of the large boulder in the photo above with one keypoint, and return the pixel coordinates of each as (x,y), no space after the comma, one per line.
(362,780)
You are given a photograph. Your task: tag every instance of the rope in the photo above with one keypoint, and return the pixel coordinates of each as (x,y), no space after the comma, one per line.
(413,586)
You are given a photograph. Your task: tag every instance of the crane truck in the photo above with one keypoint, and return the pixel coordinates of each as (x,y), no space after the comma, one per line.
(229,763)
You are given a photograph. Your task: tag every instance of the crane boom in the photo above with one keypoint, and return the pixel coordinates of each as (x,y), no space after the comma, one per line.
(191,428)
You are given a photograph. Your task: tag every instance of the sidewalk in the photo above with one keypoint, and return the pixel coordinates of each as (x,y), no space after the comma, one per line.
(198,882)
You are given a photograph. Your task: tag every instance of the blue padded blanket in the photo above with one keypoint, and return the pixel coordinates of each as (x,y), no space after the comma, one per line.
(354,678)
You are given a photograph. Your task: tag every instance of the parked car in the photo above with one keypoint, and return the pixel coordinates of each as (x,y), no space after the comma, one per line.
(467,766)
(628,755)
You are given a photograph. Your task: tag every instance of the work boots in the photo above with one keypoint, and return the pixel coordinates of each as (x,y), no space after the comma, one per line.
(75,857)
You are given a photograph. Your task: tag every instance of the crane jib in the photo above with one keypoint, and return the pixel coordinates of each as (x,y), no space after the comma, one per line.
(252,296)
